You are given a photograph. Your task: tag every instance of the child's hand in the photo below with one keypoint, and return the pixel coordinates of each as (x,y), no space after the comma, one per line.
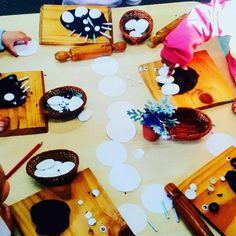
(9,38)
(4,123)
(6,215)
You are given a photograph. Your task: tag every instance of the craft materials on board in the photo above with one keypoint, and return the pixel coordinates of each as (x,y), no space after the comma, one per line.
(206,93)
(111,153)
(163,32)
(90,51)
(187,212)
(221,215)
(216,143)
(28,49)
(124,177)
(23,160)
(22,91)
(75,25)
(112,86)
(105,66)
(103,210)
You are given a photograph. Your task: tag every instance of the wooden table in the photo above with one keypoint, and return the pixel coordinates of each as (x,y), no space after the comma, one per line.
(164,161)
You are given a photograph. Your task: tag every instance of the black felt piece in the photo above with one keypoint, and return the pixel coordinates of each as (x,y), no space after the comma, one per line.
(10,85)
(233,162)
(51,217)
(79,24)
(186,79)
(231,178)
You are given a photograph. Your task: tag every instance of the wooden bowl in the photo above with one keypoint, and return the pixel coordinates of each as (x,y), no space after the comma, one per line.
(193,124)
(135,14)
(61,91)
(62,155)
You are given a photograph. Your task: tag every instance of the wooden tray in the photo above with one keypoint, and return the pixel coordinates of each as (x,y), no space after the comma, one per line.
(210,81)
(27,118)
(53,32)
(224,220)
(80,188)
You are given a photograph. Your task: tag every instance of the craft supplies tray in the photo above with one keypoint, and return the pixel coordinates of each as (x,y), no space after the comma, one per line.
(56,31)
(211,189)
(80,188)
(211,89)
(26,118)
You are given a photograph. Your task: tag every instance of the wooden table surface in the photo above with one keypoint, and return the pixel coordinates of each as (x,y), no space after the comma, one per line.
(164,161)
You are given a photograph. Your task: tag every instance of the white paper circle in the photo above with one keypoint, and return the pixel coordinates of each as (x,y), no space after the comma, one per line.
(66,167)
(9,96)
(95,13)
(219,142)
(141,25)
(111,153)
(45,164)
(130,24)
(81,11)
(170,89)
(163,71)
(74,103)
(134,216)
(124,177)
(28,49)
(67,17)
(152,197)
(164,79)
(105,66)
(112,86)
(85,114)
(118,110)
(138,153)
(121,131)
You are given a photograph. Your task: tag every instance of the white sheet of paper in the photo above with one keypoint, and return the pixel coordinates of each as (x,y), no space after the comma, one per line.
(124,178)
(219,142)
(121,131)
(134,216)
(112,86)
(105,66)
(152,196)
(111,153)
(25,50)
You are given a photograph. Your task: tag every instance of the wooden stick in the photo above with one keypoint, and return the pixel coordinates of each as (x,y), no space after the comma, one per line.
(23,160)
(187,211)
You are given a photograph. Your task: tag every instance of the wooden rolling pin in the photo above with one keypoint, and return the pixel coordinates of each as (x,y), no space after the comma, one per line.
(162,33)
(85,52)
(187,211)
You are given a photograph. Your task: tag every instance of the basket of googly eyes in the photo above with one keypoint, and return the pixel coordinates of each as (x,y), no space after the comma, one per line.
(63,103)
(136,26)
(54,167)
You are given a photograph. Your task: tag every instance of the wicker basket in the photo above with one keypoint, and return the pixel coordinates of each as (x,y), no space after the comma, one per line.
(62,155)
(135,14)
(48,111)
(194,124)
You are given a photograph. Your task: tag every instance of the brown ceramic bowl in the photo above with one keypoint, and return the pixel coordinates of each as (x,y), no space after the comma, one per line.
(136,15)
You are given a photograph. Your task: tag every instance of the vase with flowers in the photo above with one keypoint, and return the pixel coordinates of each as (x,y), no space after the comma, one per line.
(156,118)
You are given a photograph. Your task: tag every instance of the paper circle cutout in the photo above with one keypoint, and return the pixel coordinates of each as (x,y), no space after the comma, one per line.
(28,49)
(85,114)
(134,216)
(112,86)
(124,178)
(152,197)
(170,89)
(111,153)
(121,131)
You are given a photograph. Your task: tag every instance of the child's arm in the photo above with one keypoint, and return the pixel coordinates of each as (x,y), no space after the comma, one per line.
(4,123)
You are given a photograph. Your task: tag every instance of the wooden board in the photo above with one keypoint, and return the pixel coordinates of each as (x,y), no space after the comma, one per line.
(101,207)
(210,81)
(27,118)
(53,32)
(225,220)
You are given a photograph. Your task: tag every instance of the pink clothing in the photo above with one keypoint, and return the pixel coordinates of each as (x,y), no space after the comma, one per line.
(203,22)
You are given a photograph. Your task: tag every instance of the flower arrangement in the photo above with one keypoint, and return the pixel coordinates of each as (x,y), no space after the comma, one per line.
(156,116)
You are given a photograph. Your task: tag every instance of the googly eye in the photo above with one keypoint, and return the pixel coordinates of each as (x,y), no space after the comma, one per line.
(155,69)
(145,68)
(204,207)
(228,158)
(103,228)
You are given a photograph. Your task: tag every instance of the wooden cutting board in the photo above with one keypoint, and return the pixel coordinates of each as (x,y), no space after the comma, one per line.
(53,32)
(80,188)
(211,81)
(27,118)
(225,220)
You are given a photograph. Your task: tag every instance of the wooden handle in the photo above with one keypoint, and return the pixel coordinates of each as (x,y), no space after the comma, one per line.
(187,211)
(85,52)
(162,33)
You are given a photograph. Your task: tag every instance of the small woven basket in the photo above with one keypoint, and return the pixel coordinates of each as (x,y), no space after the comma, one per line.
(135,14)
(62,155)
(48,111)
(193,124)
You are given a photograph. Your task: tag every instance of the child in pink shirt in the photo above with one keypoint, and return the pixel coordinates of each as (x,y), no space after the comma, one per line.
(203,22)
